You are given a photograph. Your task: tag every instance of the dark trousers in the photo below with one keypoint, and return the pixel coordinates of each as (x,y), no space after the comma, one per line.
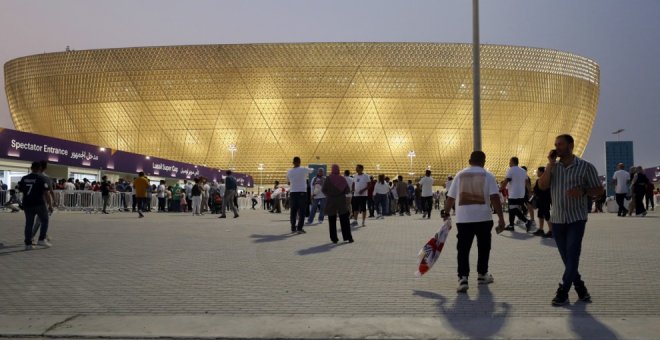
(639,203)
(427,203)
(30,213)
(466,234)
(161,203)
(297,201)
(254,203)
(568,237)
(122,200)
(515,210)
(649,200)
(403,205)
(106,199)
(371,206)
(345,224)
(141,203)
(380,201)
(135,203)
(620,201)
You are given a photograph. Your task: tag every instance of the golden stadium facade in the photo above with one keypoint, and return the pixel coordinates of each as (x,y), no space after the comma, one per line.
(345,103)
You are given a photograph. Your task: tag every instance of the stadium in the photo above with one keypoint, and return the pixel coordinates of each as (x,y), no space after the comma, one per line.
(396,108)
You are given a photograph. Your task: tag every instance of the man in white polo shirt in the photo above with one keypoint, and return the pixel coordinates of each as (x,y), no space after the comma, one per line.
(474,190)
(515,180)
(297,177)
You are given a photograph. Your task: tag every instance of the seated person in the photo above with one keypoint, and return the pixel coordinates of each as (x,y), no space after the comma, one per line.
(13,203)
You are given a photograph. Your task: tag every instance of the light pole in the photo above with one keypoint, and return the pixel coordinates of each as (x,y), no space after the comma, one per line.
(476,78)
(261,175)
(232,149)
(411,155)
(618,134)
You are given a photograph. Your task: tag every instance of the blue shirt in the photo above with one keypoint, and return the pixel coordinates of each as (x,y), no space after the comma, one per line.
(230,183)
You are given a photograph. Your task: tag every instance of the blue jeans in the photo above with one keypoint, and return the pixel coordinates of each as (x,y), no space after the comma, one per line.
(30,214)
(381,204)
(320,202)
(568,237)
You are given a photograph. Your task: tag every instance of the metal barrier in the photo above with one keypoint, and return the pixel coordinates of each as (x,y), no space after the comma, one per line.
(88,201)
(92,201)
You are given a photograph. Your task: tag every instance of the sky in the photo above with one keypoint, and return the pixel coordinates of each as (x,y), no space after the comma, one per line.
(623,37)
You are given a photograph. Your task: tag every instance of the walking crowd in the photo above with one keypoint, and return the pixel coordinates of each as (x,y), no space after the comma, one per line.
(561,197)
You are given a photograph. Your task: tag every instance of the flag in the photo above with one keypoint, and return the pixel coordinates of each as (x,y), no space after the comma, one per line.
(432,249)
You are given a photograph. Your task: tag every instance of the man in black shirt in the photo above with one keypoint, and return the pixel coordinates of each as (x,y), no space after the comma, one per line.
(543,202)
(36,196)
(105,192)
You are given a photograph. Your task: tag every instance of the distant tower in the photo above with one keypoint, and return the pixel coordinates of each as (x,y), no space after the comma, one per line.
(615,153)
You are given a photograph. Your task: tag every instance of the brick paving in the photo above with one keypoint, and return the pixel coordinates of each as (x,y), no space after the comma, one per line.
(177,264)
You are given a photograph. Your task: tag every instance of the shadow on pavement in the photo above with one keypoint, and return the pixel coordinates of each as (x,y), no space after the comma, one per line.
(18,248)
(270,238)
(585,326)
(550,242)
(460,315)
(318,249)
(516,235)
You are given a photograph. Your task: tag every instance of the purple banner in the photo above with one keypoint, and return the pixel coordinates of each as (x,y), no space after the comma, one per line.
(30,147)
(653,174)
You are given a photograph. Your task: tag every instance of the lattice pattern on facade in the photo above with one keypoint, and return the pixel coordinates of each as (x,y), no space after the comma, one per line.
(345,103)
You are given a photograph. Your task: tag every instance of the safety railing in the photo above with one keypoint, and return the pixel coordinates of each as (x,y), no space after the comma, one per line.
(93,201)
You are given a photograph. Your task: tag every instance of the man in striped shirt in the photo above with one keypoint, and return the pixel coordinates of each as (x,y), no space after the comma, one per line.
(571,181)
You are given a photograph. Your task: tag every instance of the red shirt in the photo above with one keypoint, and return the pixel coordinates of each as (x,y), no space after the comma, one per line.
(370,188)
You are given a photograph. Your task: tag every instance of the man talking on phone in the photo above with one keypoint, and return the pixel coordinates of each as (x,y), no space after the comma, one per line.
(571,181)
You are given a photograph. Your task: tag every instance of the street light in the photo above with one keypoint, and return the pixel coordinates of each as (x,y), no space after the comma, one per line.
(618,133)
(411,155)
(476,78)
(232,149)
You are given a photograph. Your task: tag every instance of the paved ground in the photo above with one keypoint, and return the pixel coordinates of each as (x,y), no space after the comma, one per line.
(182,276)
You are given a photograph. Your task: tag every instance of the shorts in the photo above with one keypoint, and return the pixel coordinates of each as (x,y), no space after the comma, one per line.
(359,203)
(544,213)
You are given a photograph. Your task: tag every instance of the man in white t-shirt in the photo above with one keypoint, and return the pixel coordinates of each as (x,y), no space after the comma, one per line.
(621,180)
(473,192)
(515,181)
(427,194)
(297,177)
(160,193)
(360,194)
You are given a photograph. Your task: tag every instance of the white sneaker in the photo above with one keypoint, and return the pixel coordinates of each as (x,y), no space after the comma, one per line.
(462,285)
(44,243)
(28,247)
(485,279)
(354,223)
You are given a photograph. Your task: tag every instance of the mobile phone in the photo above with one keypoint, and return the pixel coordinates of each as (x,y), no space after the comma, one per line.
(553,154)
